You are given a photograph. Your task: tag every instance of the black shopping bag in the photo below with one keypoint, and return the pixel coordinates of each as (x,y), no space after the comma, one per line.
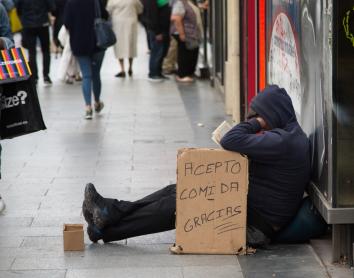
(20,110)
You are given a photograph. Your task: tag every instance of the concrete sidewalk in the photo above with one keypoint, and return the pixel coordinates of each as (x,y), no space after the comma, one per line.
(127,152)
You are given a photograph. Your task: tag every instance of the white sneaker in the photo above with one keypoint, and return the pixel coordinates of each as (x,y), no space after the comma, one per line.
(155,79)
(2,205)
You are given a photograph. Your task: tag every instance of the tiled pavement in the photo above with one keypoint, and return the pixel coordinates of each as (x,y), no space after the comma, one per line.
(127,151)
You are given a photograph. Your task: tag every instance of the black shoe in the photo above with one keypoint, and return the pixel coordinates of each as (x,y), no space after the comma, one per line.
(120,74)
(94,233)
(97,206)
(47,81)
(99,106)
(130,72)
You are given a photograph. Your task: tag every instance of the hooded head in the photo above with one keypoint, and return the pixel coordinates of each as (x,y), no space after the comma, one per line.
(274,105)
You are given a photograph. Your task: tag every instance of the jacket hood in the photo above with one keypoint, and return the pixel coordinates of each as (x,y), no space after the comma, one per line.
(274,105)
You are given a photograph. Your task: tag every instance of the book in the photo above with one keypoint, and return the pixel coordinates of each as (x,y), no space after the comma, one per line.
(220,131)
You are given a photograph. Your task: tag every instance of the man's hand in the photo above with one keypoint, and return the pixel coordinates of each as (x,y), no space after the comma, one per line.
(262,122)
(159,37)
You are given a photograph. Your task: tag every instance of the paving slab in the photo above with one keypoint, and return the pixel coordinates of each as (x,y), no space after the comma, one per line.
(156,272)
(33,274)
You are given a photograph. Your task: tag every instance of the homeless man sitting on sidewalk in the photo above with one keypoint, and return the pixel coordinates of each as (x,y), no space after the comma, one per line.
(279,170)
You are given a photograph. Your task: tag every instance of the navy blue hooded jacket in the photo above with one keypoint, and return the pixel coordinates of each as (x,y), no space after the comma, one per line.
(279,168)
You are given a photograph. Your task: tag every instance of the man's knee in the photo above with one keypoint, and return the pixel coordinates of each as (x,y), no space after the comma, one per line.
(171,188)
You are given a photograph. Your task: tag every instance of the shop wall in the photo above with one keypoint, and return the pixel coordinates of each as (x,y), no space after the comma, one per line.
(299,59)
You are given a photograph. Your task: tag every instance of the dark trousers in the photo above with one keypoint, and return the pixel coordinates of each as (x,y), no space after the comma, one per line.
(29,41)
(187,59)
(157,213)
(158,52)
(56,28)
(152,214)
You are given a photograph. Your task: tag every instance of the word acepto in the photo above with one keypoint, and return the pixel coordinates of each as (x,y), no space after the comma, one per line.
(228,166)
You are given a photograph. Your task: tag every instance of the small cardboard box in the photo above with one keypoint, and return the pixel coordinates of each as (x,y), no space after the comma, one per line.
(73,235)
(211,208)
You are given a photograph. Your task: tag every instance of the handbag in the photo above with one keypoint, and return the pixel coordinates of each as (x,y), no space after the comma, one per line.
(20,110)
(105,36)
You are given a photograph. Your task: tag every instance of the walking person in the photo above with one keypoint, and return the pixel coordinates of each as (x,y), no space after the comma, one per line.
(35,21)
(6,41)
(187,29)
(124,16)
(156,18)
(79,17)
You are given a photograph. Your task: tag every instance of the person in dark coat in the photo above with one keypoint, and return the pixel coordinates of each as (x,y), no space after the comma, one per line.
(156,19)
(279,170)
(35,21)
(79,17)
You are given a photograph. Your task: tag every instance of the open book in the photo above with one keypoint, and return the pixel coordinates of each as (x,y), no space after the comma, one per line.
(220,131)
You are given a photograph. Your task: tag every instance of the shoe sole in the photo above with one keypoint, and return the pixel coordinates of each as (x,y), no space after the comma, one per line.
(87,215)
(156,80)
(99,220)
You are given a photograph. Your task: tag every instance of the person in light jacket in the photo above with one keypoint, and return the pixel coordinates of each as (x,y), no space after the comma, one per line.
(187,29)
(124,15)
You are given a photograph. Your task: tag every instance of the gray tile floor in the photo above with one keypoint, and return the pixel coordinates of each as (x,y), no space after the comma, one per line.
(127,152)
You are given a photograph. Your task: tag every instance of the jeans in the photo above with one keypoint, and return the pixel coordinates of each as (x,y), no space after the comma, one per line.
(90,68)
(29,41)
(306,224)
(158,52)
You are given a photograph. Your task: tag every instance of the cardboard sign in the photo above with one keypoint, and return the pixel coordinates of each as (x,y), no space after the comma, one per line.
(211,209)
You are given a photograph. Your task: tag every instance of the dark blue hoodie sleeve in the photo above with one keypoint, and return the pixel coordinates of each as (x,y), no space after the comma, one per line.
(243,138)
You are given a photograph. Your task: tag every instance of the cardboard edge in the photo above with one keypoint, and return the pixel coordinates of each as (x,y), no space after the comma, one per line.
(176,249)
(242,251)
(79,226)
